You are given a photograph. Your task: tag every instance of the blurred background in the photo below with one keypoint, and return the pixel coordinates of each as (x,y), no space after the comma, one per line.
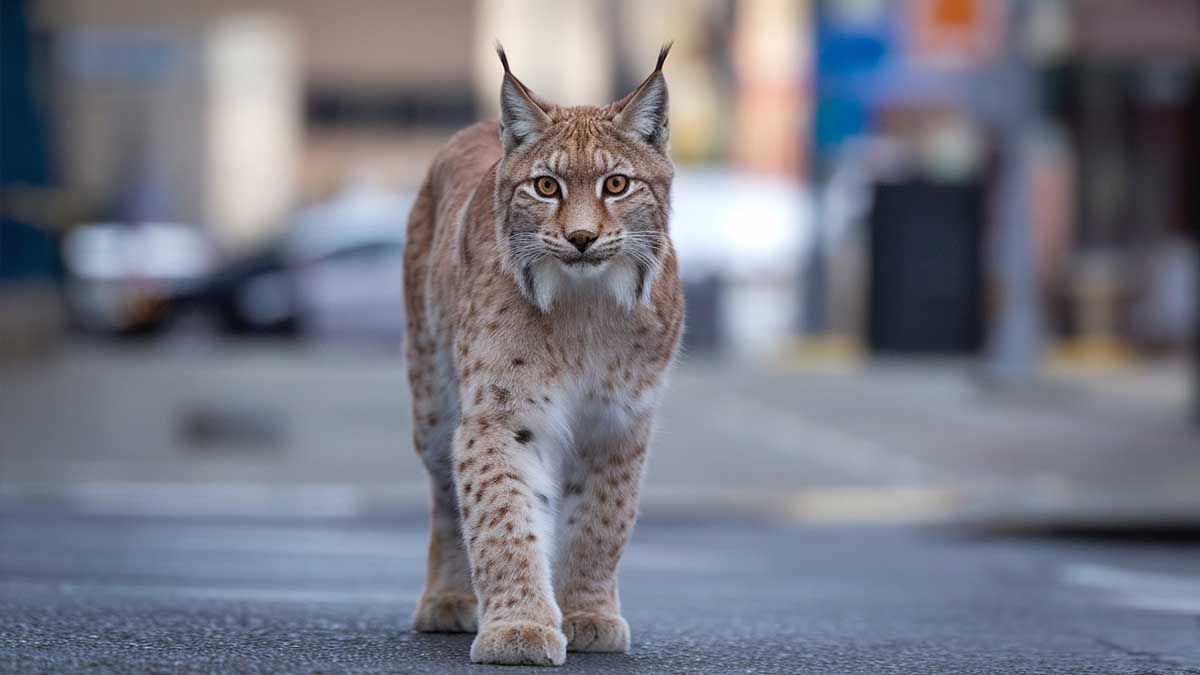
(941,267)
(940,255)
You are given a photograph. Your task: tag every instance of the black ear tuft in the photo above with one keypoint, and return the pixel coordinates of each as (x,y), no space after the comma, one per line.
(504,57)
(644,111)
(662,55)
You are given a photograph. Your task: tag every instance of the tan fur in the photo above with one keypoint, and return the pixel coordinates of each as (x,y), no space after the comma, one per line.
(535,381)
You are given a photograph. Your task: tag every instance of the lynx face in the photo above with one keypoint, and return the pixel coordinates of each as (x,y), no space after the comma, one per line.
(583,193)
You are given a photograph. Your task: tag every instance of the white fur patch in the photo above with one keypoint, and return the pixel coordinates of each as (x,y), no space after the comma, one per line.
(617,278)
(547,278)
(621,282)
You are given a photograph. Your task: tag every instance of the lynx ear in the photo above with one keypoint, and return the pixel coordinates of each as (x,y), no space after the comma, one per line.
(644,112)
(522,115)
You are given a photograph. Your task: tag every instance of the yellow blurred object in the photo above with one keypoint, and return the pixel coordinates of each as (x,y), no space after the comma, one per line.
(822,352)
(872,505)
(1089,353)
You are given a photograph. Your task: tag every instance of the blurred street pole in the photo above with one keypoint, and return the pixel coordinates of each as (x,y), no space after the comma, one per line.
(850,43)
(815,316)
(1015,341)
(812,318)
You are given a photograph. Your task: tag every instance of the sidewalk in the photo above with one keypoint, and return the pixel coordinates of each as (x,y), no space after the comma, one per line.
(269,428)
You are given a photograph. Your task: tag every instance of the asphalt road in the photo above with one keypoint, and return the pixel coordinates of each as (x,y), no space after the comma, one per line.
(141,594)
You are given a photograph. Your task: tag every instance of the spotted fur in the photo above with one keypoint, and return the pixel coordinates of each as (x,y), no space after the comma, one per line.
(536,367)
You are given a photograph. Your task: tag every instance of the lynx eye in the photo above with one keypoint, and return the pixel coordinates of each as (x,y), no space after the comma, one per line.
(616,184)
(546,186)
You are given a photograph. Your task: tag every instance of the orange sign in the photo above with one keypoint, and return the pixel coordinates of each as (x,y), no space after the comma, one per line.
(955,33)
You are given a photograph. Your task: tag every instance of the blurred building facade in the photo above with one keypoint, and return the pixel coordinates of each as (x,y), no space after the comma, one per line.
(789,117)
(1078,122)
(228,114)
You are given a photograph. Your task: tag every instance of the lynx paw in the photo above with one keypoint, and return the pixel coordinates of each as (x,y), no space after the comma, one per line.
(592,632)
(446,613)
(519,643)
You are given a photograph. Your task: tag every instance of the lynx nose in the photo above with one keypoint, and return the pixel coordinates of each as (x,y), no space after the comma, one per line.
(581,239)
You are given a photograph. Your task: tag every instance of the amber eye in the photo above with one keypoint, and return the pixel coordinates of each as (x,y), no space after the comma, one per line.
(546,186)
(616,184)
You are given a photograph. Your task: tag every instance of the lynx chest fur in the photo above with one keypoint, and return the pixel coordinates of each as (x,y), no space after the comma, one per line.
(544,309)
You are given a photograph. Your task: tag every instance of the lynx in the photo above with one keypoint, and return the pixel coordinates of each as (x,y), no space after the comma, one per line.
(544,309)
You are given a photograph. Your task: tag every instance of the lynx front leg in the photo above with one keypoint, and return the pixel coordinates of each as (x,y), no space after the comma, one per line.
(500,479)
(599,509)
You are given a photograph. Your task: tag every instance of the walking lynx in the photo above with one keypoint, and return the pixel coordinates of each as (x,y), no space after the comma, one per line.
(544,308)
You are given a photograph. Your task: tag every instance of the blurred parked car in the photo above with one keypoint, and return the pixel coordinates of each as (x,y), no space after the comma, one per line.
(120,278)
(337,272)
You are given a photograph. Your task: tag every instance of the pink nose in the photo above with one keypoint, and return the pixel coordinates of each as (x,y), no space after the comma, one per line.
(581,239)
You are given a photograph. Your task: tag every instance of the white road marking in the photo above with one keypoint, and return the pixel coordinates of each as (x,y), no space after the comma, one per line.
(1143,590)
(236,593)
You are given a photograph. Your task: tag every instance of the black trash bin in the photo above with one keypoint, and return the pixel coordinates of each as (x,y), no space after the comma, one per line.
(926,269)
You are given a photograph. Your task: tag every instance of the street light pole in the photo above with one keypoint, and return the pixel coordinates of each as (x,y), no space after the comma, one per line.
(1196,311)
(1015,342)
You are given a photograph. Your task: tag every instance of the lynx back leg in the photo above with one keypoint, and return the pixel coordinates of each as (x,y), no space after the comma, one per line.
(448,602)
(598,512)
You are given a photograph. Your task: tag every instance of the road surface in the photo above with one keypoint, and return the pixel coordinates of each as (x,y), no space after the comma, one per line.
(145,594)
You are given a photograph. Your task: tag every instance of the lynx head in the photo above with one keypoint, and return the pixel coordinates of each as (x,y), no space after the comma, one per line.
(583,193)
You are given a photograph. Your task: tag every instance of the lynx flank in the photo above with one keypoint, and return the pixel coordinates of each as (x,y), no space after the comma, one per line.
(544,309)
